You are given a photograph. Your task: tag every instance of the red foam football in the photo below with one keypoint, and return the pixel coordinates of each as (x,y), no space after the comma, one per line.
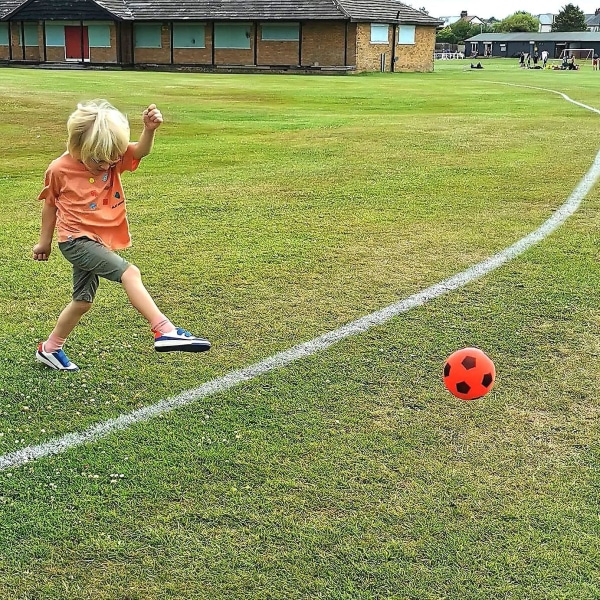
(469,373)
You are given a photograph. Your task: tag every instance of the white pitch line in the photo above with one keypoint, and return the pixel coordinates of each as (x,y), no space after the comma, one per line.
(281,359)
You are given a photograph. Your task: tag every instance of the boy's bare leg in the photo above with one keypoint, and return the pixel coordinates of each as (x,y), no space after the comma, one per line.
(69,317)
(138,295)
(167,338)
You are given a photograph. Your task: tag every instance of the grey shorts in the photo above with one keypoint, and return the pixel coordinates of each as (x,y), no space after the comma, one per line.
(91,260)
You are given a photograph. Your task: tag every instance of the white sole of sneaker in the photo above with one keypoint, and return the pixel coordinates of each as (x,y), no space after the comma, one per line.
(181,346)
(48,363)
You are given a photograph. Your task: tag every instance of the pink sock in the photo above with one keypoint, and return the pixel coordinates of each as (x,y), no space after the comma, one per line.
(162,324)
(53,343)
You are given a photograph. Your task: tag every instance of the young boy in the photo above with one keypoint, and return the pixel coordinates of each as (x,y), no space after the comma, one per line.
(84,201)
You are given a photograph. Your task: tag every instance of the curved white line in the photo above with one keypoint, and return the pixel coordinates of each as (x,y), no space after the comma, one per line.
(221,384)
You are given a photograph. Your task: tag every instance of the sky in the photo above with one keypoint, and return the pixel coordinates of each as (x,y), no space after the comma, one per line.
(486,9)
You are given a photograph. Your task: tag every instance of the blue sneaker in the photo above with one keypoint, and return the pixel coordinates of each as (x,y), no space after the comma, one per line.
(179,340)
(55,360)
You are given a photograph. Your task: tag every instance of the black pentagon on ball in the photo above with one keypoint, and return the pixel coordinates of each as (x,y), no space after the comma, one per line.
(487,380)
(463,387)
(468,362)
(446,369)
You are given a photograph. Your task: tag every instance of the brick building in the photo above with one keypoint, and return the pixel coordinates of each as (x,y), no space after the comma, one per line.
(288,35)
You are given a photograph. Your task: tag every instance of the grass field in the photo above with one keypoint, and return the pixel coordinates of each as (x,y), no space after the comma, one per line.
(272,210)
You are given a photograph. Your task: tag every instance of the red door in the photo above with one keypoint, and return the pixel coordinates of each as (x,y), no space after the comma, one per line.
(76,41)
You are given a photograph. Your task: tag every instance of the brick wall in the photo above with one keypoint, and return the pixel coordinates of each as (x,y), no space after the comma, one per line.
(409,57)
(106,55)
(33,53)
(322,45)
(368,55)
(417,56)
(57,53)
(277,53)
(159,56)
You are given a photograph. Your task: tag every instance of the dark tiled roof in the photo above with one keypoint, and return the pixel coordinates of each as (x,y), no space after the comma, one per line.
(593,21)
(234,9)
(386,11)
(33,10)
(7,6)
(116,7)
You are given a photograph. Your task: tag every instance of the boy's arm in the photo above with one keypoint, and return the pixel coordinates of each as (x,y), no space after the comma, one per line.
(41,251)
(152,120)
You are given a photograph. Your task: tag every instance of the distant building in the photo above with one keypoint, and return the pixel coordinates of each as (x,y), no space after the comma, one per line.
(447,21)
(546,21)
(593,21)
(310,36)
(464,16)
(510,45)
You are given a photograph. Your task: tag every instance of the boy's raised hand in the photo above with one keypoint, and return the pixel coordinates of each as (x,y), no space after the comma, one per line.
(152,117)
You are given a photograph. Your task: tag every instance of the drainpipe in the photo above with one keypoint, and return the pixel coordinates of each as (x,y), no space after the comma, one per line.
(394,35)
(44,41)
(255,53)
(346,43)
(171,38)
(212,50)
(82,43)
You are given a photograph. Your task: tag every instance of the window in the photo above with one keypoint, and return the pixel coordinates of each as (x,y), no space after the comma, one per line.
(280,32)
(99,36)
(31,35)
(188,35)
(232,35)
(147,35)
(502,47)
(55,34)
(379,33)
(406,34)
(3,34)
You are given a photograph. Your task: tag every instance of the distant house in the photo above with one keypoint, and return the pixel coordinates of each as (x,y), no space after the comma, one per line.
(593,21)
(471,19)
(288,35)
(510,45)
(447,21)
(546,21)
(464,16)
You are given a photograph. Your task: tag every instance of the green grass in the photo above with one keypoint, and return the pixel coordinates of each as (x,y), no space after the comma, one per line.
(274,209)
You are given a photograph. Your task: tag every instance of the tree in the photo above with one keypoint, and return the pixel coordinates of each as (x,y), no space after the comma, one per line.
(445,36)
(461,30)
(519,21)
(477,29)
(570,18)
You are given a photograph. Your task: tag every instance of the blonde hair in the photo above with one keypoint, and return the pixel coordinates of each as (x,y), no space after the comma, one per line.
(97,132)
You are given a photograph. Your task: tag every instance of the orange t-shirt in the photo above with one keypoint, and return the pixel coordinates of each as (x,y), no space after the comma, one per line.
(89,205)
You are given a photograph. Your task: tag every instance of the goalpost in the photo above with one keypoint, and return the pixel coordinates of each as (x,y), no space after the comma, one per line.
(580,54)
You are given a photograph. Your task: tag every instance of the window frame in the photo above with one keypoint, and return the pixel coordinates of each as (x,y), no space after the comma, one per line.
(277,28)
(409,33)
(194,29)
(145,28)
(379,27)
(223,28)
